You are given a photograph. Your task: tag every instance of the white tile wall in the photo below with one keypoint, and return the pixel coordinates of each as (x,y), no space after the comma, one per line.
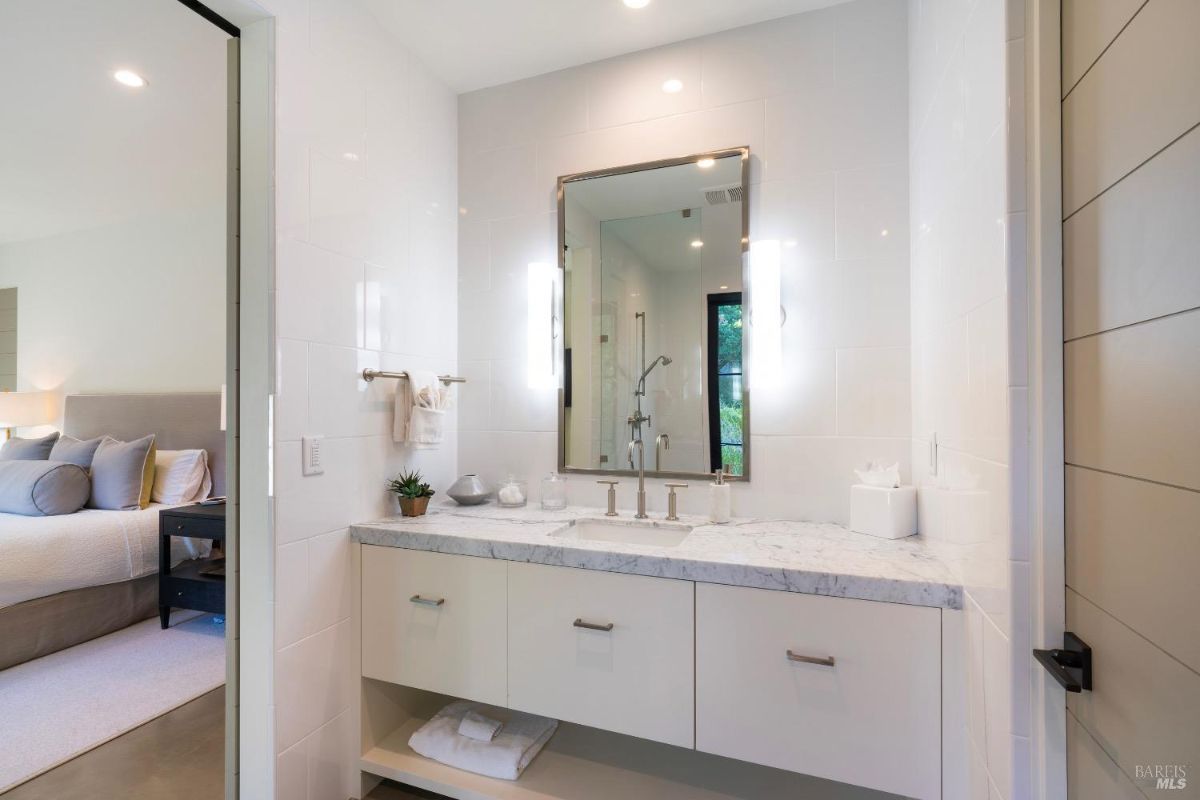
(820,98)
(966,167)
(366,275)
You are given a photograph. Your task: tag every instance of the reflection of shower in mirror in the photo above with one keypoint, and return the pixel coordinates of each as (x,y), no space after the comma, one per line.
(641,390)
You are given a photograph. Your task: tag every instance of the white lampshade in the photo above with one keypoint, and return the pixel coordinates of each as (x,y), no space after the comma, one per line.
(22,409)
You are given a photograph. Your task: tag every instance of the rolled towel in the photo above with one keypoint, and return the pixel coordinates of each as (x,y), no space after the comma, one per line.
(478,727)
(520,738)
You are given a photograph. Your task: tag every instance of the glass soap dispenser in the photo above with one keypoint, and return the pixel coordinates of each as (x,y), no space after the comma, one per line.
(554,492)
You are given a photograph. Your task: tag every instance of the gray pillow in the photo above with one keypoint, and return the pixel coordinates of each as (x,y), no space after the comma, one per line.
(28,449)
(42,488)
(122,474)
(75,451)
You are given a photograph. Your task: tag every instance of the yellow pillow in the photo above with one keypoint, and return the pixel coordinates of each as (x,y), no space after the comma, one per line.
(148,476)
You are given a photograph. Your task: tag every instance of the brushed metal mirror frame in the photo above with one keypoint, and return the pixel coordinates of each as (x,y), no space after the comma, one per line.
(560,303)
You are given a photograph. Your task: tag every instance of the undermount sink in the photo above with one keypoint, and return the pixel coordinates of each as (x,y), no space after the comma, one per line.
(651,532)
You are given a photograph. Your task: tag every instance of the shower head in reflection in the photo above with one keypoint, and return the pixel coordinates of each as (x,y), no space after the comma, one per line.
(641,390)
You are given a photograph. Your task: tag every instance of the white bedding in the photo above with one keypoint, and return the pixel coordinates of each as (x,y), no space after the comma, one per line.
(41,556)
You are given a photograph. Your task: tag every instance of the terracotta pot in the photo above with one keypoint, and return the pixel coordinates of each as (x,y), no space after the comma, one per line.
(413,506)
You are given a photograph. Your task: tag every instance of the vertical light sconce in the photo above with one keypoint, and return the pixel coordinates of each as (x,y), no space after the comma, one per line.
(766,314)
(540,325)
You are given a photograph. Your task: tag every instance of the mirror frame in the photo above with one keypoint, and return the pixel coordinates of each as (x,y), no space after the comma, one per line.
(560,308)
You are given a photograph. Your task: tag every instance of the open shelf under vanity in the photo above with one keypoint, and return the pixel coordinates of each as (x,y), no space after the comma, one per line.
(579,763)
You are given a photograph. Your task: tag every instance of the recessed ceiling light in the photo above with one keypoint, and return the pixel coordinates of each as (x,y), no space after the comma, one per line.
(636,3)
(883,232)
(672,86)
(350,156)
(705,163)
(697,243)
(129,78)
(724,286)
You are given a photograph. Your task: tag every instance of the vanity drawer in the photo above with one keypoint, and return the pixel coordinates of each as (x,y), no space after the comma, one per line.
(872,717)
(635,677)
(435,622)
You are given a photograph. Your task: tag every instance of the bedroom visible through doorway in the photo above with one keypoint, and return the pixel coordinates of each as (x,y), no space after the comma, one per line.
(115,216)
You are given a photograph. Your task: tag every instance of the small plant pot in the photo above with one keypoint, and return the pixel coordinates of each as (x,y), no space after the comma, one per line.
(414,506)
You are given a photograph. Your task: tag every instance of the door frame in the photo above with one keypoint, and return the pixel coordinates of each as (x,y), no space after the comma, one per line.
(249,376)
(1043,107)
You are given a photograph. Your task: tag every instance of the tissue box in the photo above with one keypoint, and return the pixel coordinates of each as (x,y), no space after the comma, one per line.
(887,513)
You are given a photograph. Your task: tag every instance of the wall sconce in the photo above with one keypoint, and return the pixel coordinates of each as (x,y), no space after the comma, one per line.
(540,334)
(766,314)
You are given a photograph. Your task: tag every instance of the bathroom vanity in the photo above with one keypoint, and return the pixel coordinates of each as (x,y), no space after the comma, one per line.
(691,660)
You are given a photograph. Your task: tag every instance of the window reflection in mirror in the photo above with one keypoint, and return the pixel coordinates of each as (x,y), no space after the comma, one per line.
(653,325)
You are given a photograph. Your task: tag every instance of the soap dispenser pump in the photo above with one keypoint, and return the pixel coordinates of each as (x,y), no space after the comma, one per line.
(718,498)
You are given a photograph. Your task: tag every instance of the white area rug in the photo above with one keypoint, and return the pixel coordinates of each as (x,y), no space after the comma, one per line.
(56,707)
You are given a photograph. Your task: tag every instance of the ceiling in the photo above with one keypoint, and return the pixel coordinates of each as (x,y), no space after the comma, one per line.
(77,149)
(471,44)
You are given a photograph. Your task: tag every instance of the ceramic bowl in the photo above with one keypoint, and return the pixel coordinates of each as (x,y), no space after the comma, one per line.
(469,490)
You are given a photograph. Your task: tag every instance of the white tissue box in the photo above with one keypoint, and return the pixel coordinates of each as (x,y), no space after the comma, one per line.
(886,513)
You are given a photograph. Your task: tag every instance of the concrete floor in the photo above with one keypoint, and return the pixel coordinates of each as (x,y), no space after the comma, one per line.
(394,791)
(178,756)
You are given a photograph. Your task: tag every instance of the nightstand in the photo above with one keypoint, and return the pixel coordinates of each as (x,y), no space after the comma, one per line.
(197,585)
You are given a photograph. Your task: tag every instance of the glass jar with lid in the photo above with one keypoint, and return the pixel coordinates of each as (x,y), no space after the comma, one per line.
(554,492)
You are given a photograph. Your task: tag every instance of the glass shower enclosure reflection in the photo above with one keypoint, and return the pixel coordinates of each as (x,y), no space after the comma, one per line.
(653,284)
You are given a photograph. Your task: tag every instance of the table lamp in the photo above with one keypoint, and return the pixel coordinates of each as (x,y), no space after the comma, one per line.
(23,409)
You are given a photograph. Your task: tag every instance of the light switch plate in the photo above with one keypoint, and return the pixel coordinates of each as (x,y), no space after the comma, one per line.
(310,449)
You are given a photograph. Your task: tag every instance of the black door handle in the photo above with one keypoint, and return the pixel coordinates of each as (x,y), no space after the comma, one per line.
(1071,666)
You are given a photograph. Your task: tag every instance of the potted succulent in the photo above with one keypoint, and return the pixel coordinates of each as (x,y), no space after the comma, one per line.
(413,493)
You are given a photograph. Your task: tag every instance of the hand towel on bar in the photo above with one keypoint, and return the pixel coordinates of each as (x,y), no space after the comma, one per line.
(519,740)
(421,403)
(478,727)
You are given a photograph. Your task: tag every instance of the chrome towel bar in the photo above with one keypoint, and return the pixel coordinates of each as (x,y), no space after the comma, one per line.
(369,375)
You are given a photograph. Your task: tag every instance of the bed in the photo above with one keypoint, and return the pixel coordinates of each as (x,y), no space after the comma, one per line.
(71,578)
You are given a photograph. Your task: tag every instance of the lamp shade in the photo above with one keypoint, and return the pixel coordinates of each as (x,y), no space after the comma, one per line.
(22,409)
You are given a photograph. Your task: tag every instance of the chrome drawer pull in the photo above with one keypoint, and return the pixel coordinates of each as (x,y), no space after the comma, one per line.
(824,662)
(592,626)
(427,601)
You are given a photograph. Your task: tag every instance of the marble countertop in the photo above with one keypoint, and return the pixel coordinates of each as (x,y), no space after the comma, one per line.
(806,557)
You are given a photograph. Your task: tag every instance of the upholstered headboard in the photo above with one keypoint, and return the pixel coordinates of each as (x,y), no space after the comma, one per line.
(179,422)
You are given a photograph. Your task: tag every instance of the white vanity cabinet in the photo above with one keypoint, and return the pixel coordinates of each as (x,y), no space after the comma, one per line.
(435,622)
(602,649)
(844,689)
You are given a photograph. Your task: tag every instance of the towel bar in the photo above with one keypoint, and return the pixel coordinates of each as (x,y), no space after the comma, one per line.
(369,375)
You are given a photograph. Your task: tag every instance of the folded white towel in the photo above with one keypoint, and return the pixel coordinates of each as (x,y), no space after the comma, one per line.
(421,402)
(520,738)
(478,727)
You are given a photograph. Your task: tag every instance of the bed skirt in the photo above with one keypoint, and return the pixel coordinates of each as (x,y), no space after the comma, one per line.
(46,625)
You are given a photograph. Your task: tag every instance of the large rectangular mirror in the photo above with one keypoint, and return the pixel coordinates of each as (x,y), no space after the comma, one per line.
(653,356)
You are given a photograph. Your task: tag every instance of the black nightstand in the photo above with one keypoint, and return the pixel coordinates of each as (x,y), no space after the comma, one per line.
(197,585)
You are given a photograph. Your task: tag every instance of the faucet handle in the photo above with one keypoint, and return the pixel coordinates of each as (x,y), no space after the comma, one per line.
(672,513)
(612,497)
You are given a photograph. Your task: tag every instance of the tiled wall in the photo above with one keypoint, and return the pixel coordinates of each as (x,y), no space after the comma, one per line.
(969,367)
(366,276)
(820,98)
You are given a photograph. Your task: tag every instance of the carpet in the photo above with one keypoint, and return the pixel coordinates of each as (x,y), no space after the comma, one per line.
(58,706)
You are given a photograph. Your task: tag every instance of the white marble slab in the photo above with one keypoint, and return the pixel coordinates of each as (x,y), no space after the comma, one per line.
(807,557)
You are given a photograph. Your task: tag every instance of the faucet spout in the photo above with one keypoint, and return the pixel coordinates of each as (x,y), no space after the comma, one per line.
(641,468)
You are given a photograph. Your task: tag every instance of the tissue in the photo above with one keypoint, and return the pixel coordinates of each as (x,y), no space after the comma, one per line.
(877,473)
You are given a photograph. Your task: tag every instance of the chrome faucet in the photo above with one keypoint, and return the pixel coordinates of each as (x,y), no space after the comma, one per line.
(662,441)
(641,468)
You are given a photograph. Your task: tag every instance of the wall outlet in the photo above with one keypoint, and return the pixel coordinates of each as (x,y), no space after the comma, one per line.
(310,449)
